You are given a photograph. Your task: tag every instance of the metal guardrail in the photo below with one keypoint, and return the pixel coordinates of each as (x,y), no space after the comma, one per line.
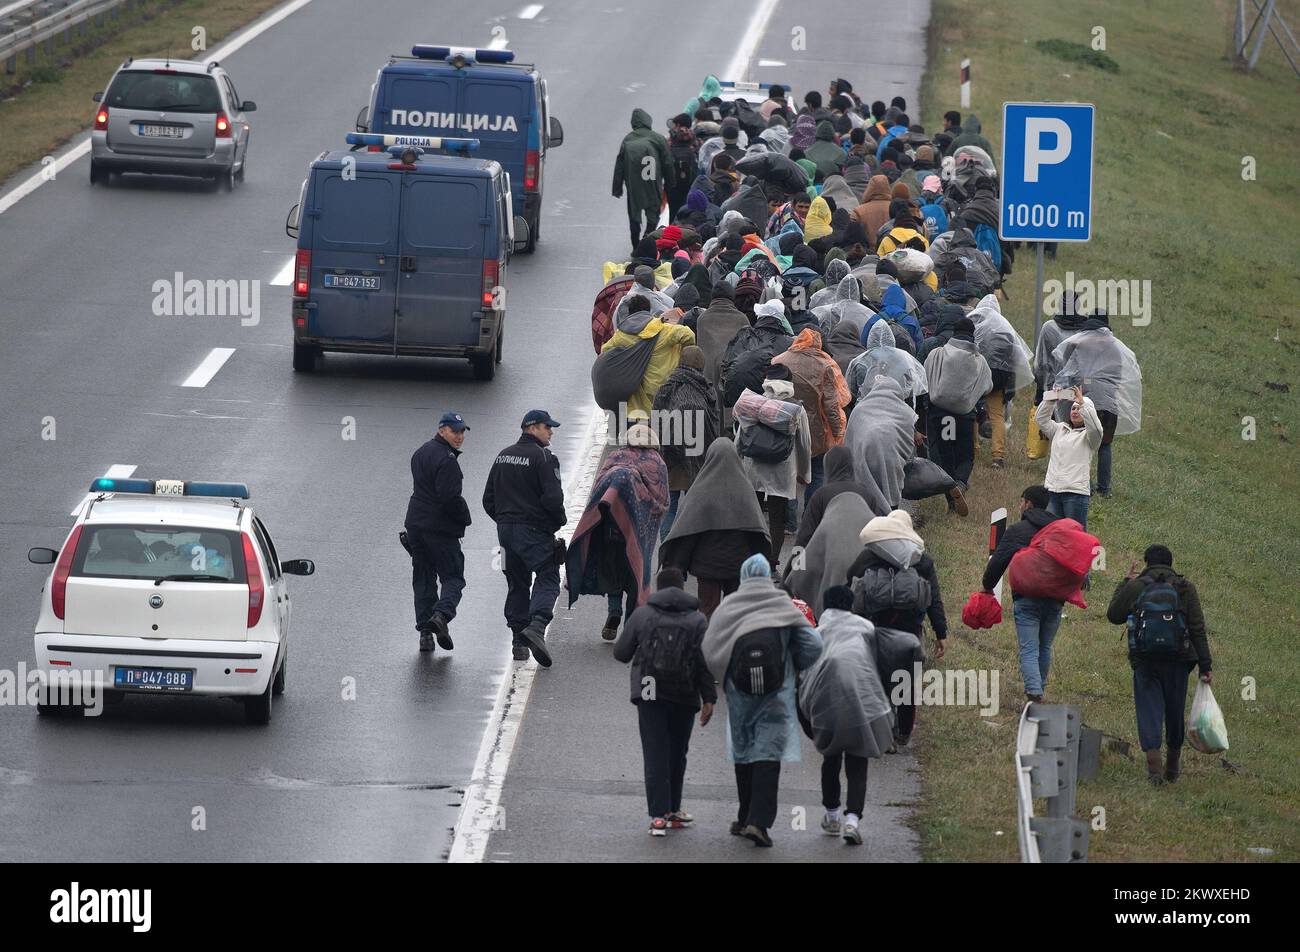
(1052,749)
(26,24)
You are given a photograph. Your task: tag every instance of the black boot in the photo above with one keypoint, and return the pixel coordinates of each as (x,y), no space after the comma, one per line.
(1153,767)
(1172,769)
(439,626)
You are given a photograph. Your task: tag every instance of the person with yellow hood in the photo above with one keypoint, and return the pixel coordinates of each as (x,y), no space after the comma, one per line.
(817,224)
(669,338)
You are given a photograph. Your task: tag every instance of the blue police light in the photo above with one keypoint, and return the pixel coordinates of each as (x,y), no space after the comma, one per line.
(467,54)
(732,84)
(169,487)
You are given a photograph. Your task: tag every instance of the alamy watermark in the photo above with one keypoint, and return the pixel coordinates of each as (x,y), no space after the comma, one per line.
(67,688)
(1120,297)
(179,296)
(682,428)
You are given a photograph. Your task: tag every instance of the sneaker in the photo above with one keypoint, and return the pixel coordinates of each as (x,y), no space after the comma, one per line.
(1034,698)
(426,640)
(535,636)
(679,819)
(658,826)
(610,631)
(998,463)
(736,828)
(852,835)
(831,823)
(439,624)
(957,502)
(756,835)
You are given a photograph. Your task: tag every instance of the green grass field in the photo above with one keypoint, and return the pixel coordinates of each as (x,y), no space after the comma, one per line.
(46,103)
(1223,344)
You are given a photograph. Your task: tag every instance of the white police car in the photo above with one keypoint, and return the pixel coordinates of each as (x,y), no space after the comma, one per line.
(753,93)
(168,587)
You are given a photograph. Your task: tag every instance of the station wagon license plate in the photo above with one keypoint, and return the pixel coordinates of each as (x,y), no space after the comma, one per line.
(352,282)
(161,132)
(153,679)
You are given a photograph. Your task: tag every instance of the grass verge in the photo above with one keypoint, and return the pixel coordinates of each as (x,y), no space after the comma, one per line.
(46,103)
(1174,126)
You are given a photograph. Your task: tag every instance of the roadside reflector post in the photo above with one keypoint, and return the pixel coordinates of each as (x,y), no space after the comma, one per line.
(965,84)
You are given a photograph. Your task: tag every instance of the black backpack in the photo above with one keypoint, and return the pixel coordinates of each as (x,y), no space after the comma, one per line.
(1157,626)
(667,654)
(758,662)
(764,444)
(883,588)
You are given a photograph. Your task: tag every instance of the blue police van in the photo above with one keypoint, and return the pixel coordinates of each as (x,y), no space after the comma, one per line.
(461,91)
(403,252)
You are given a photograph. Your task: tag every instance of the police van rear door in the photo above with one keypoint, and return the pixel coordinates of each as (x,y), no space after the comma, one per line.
(498,111)
(447,221)
(354,254)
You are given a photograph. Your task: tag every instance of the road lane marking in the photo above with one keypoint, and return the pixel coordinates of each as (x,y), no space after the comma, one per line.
(530,11)
(205,371)
(116,471)
(739,65)
(771,62)
(285,275)
(481,809)
(37,179)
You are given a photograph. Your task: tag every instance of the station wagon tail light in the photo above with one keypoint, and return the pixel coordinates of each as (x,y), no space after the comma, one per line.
(59,590)
(530,170)
(301,272)
(256,590)
(101,119)
(223,126)
(490,277)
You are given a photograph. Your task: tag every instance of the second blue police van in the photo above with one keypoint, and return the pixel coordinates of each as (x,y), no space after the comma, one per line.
(461,91)
(403,252)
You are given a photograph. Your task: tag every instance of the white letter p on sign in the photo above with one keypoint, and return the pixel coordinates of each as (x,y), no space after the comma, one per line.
(1035,155)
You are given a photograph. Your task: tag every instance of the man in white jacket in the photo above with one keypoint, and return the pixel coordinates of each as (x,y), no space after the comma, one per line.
(1073,446)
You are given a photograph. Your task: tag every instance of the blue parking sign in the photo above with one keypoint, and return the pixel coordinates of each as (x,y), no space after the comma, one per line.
(1047,152)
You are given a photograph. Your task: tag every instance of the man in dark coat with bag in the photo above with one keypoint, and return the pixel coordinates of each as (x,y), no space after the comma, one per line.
(645,166)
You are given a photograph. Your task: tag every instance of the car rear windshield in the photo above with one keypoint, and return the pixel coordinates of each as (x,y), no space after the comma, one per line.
(154,552)
(164,92)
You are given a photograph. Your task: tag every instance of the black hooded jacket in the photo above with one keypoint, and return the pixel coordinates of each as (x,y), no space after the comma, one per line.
(1013,540)
(668,608)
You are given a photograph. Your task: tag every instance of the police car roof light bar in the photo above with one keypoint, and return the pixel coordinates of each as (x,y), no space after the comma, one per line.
(389,141)
(169,487)
(732,84)
(466,53)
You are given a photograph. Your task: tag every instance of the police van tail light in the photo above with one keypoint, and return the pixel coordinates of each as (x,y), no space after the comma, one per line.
(59,589)
(301,273)
(101,119)
(530,170)
(490,276)
(256,590)
(223,126)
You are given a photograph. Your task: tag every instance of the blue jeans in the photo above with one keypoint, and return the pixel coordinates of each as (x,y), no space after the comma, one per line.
(1070,506)
(1036,622)
(529,551)
(1160,694)
(1103,468)
(674,497)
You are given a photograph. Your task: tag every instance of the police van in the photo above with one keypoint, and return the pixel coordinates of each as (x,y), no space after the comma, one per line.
(451,91)
(403,252)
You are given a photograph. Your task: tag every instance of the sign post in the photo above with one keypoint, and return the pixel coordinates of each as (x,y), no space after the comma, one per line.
(1047,161)
(965,84)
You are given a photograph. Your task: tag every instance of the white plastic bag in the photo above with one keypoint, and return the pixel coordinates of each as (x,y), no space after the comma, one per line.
(1206,730)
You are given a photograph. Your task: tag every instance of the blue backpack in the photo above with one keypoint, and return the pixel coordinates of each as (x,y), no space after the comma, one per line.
(986,240)
(1157,626)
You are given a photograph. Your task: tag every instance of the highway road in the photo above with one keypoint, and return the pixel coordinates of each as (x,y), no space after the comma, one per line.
(381,776)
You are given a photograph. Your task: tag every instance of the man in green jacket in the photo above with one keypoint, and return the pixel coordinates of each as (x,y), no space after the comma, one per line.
(645,166)
(1160,681)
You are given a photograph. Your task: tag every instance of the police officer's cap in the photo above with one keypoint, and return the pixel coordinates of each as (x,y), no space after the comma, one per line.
(538,416)
(455,421)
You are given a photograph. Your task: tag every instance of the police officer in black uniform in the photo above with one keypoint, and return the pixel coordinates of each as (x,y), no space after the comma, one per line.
(524,498)
(436,518)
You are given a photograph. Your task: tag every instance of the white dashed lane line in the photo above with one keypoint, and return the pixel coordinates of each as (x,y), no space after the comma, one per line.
(530,11)
(205,371)
(283,277)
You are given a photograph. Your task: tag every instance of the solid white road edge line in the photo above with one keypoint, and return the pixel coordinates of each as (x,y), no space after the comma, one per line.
(738,68)
(49,173)
(205,371)
(479,812)
(116,471)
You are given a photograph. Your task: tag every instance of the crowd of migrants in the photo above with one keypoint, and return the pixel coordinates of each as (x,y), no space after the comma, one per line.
(825,306)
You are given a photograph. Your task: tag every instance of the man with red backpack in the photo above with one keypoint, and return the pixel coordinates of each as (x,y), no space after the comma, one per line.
(1166,637)
(1037,619)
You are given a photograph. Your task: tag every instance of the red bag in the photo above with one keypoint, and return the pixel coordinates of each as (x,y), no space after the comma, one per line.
(983,610)
(1068,543)
(602,312)
(1035,574)
(804,607)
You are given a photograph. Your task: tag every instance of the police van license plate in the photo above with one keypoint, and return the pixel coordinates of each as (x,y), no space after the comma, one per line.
(352,282)
(153,679)
(161,132)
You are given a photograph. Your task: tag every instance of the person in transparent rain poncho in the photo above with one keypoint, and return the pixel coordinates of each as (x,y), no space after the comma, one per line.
(1008,358)
(883,358)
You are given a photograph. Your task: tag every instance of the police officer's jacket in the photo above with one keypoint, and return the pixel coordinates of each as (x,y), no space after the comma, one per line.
(523,486)
(436,502)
